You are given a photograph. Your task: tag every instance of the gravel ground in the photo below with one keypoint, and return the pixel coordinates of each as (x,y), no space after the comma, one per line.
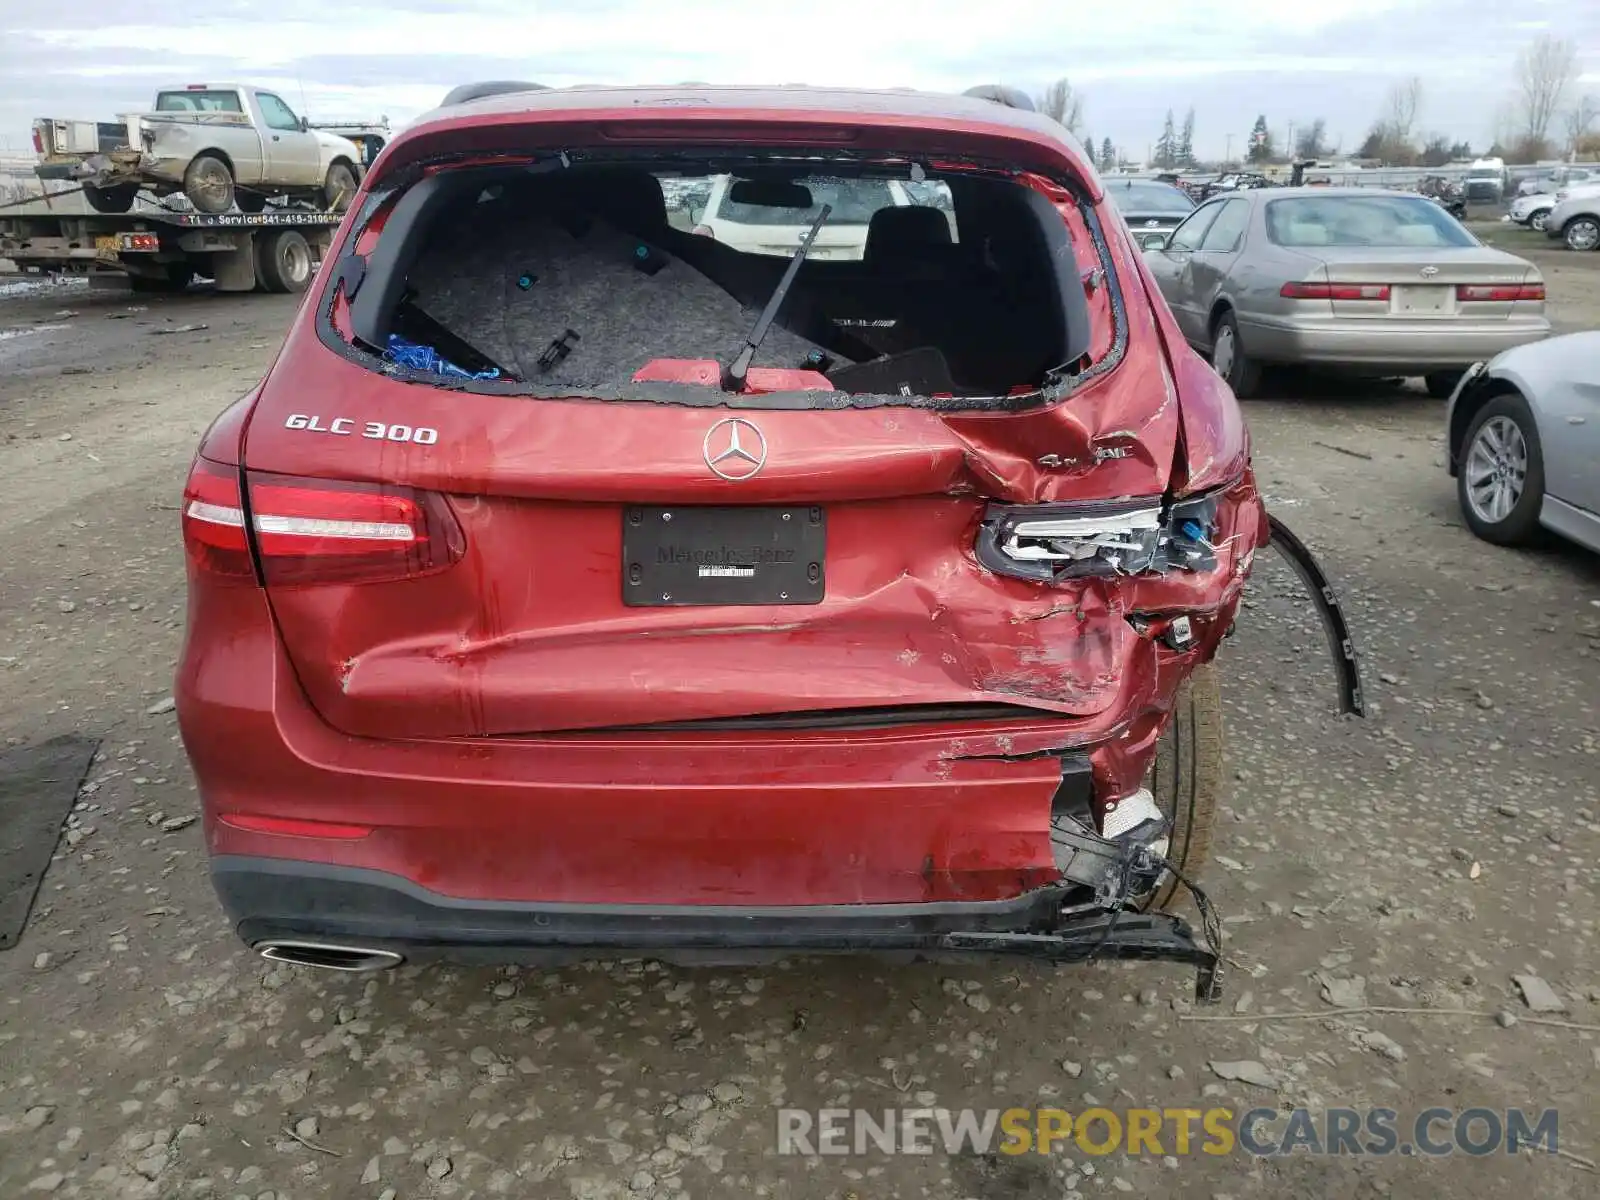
(1418,859)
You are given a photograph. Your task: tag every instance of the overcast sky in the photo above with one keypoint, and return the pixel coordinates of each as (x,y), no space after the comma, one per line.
(1293,60)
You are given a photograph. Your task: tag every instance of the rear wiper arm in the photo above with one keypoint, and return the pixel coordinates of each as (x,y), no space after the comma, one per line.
(733,375)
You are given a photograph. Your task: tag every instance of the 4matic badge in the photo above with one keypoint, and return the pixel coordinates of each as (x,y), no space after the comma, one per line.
(378,431)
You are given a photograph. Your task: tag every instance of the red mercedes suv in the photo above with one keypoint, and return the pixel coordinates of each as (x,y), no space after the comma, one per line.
(836,571)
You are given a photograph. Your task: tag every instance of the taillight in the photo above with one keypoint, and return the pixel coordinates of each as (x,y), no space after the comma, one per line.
(1500,291)
(213,521)
(38,142)
(309,531)
(1334,291)
(332,531)
(1052,542)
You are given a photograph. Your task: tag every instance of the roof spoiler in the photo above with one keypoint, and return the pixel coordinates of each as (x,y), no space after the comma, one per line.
(1000,93)
(468,92)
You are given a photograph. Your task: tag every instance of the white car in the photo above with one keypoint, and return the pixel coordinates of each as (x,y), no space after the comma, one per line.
(1576,217)
(778,231)
(1534,211)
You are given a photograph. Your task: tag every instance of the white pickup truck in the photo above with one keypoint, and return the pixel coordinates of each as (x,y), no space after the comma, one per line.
(220,144)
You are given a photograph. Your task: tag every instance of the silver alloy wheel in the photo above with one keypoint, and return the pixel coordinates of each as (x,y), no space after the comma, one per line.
(1222,352)
(1496,469)
(1583,234)
(1538,220)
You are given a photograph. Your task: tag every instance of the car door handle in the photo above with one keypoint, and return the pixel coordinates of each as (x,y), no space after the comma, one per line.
(276,138)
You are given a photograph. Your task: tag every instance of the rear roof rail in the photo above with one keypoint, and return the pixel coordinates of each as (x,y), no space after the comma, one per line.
(468,92)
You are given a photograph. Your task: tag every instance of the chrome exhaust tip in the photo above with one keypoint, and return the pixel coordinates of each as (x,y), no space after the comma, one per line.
(330,956)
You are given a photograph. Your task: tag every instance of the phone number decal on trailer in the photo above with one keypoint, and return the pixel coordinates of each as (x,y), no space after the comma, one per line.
(421,435)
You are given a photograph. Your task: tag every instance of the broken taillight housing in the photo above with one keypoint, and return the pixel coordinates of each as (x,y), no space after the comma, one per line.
(1068,541)
(311,531)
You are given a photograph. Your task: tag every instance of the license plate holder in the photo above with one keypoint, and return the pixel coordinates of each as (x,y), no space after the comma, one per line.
(685,555)
(1426,300)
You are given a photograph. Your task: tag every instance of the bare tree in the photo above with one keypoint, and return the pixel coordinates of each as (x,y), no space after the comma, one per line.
(1312,140)
(1545,70)
(1400,115)
(1064,104)
(1580,123)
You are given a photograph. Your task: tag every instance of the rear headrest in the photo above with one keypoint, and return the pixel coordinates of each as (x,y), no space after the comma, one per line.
(628,197)
(901,235)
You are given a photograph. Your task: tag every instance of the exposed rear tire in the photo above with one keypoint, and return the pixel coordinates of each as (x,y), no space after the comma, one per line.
(116,199)
(339,188)
(283,261)
(1238,370)
(1186,778)
(208,183)
(1502,435)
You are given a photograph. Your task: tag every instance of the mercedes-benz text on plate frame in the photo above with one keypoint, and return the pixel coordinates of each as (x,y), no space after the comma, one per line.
(719,555)
(734,449)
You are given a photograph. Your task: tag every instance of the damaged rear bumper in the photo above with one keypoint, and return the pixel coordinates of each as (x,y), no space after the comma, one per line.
(279,901)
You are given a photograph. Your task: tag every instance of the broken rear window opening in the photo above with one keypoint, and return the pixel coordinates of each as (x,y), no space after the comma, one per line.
(959,288)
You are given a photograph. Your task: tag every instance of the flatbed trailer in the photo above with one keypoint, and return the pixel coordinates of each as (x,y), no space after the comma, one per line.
(161,250)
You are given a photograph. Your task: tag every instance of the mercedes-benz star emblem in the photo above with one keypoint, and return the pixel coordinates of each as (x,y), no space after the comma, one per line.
(734,449)
(1429,272)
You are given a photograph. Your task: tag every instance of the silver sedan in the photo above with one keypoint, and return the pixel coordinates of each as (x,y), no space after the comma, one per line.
(1368,282)
(1524,438)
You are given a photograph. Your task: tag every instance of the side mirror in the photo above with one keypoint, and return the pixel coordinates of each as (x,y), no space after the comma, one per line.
(305,124)
(1156,240)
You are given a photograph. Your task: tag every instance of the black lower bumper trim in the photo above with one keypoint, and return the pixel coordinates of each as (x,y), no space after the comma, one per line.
(1326,600)
(1108,935)
(280,899)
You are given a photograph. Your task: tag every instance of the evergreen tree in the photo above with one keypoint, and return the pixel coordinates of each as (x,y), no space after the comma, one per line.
(1185,152)
(1108,155)
(1088,150)
(1261,149)
(1167,145)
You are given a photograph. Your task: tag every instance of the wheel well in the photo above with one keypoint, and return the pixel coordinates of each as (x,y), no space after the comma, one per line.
(1468,406)
(345,159)
(1217,309)
(218,154)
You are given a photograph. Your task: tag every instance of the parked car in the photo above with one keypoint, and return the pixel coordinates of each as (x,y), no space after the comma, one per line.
(1237,182)
(1524,438)
(1576,218)
(1486,181)
(1549,182)
(1532,209)
(1151,209)
(1446,193)
(216,143)
(1368,282)
(578,585)
(754,229)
